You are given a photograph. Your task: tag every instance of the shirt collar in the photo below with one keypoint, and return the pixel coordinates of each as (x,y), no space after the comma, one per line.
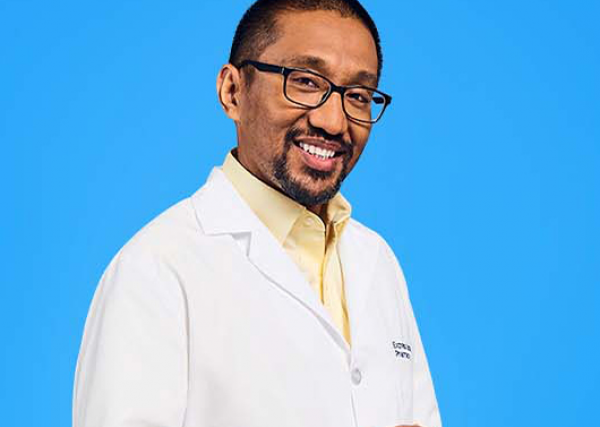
(277,211)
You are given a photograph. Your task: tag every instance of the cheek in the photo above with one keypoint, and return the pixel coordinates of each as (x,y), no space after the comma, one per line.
(359,135)
(270,120)
(256,127)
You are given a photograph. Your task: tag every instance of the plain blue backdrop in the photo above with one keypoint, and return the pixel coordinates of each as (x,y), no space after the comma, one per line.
(483,176)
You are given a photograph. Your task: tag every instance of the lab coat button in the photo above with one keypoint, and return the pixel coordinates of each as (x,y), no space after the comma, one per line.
(356,376)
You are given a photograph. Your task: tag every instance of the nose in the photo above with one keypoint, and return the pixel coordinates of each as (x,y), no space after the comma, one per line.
(330,116)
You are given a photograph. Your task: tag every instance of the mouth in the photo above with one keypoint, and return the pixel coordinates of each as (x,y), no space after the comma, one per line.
(319,154)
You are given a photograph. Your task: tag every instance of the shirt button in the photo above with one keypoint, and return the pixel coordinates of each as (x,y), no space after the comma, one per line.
(356,376)
(308,221)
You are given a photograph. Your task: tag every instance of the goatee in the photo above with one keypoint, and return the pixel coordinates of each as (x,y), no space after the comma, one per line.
(295,190)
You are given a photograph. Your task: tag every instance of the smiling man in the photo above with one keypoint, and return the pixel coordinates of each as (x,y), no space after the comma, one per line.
(258,301)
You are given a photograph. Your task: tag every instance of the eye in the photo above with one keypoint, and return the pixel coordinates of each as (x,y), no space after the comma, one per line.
(305,81)
(360,96)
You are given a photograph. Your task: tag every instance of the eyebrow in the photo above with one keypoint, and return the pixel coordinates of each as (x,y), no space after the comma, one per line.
(319,65)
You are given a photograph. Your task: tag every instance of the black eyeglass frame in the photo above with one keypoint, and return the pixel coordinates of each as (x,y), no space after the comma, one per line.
(286,71)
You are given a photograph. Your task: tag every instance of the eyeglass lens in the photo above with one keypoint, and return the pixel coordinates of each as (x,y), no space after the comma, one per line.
(309,90)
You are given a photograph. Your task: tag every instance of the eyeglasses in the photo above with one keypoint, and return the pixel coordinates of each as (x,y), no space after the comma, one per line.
(309,89)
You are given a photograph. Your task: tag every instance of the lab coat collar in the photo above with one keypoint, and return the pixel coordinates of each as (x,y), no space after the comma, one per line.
(220,210)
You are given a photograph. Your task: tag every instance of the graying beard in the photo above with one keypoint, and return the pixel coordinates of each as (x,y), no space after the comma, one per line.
(296,191)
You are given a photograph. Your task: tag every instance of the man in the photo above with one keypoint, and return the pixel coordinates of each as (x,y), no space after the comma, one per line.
(257,302)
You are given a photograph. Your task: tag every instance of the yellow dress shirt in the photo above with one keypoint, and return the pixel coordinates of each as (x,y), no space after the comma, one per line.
(309,241)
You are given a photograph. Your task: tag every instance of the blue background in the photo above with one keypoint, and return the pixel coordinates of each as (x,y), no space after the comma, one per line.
(483,176)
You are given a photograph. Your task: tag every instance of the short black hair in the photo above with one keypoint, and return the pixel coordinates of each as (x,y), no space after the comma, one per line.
(258,27)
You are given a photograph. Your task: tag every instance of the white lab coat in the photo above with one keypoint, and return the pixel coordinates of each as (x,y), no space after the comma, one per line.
(202,320)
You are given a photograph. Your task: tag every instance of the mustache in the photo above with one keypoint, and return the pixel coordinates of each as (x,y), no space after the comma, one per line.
(313,132)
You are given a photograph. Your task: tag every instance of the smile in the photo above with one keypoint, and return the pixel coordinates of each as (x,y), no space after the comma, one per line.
(320,156)
(321,153)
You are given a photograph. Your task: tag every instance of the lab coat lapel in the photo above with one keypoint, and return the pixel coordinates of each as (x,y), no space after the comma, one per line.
(221,210)
(272,260)
(358,257)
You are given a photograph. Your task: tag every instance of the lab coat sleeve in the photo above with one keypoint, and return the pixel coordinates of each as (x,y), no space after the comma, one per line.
(425,407)
(132,365)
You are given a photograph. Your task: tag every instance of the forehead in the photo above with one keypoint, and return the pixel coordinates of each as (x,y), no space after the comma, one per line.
(340,47)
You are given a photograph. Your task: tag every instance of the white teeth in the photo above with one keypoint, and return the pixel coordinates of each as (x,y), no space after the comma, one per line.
(319,152)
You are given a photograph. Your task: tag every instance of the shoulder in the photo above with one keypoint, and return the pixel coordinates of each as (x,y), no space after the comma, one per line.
(164,234)
(363,236)
(149,258)
(367,244)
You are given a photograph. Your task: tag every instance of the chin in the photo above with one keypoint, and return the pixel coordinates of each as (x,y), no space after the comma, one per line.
(305,185)
(315,192)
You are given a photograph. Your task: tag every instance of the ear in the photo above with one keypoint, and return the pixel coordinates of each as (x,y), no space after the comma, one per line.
(229,87)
